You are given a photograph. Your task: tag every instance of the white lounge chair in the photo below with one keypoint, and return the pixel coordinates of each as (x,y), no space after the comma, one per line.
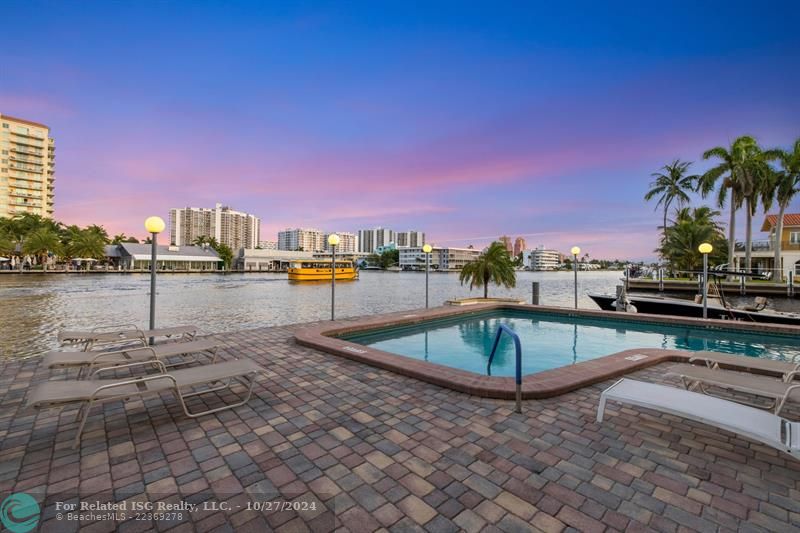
(123,333)
(696,377)
(92,360)
(747,421)
(742,362)
(90,392)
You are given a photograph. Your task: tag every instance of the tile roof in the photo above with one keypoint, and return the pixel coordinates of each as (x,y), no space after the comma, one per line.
(789,219)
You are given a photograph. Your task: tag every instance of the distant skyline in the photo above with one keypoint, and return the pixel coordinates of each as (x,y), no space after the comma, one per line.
(464,120)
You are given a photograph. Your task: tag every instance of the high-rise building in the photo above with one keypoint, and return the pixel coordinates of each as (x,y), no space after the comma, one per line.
(369,239)
(27,166)
(301,239)
(348,243)
(506,240)
(233,228)
(411,239)
(519,246)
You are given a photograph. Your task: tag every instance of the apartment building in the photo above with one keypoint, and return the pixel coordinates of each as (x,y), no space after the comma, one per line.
(227,226)
(348,243)
(27,168)
(370,239)
(302,239)
(506,240)
(763,251)
(411,239)
(413,258)
(519,246)
(542,259)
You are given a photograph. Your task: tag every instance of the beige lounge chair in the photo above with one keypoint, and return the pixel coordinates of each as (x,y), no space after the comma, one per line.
(90,392)
(696,377)
(92,360)
(744,363)
(752,423)
(123,333)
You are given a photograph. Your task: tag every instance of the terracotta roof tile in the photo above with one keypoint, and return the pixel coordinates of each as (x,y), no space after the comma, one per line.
(789,219)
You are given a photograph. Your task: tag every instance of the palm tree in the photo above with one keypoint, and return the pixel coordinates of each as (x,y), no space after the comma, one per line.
(493,265)
(87,243)
(689,229)
(732,169)
(671,185)
(119,238)
(40,242)
(784,188)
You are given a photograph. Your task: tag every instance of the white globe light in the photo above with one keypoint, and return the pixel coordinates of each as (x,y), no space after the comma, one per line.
(333,239)
(427,248)
(705,248)
(575,250)
(154,225)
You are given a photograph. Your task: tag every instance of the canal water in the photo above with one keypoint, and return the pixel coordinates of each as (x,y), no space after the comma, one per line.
(34,307)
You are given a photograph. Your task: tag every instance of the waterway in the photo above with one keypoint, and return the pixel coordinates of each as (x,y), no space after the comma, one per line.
(34,307)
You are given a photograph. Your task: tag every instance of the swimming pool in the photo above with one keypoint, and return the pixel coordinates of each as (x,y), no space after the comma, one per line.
(552,340)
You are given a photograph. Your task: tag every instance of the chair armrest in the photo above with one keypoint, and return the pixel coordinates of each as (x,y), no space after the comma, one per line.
(134,381)
(116,327)
(161,367)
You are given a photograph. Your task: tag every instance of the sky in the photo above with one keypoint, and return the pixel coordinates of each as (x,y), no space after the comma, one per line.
(465,120)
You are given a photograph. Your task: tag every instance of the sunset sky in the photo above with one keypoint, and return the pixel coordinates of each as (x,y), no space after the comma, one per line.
(460,119)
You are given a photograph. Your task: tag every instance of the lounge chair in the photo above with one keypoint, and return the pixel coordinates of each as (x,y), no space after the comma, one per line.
(123,333)
(744,363)
(88,393)
(105,358)
(779,392)
(752,423)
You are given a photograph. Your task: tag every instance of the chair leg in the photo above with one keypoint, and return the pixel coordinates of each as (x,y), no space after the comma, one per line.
(82,425)
(601,408)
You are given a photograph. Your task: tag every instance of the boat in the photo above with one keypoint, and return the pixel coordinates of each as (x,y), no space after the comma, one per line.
(320,270)
(717,308)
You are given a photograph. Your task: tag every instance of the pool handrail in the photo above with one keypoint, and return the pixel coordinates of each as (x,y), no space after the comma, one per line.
(518,349)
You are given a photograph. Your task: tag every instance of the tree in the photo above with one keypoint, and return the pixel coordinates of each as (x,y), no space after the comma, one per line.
(671,185)
(225,254)
(784,187)
(493,265)
(40,242)
(689,229)
(745,174)
(87,243)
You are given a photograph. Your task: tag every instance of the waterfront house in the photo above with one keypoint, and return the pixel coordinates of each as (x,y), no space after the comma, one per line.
(129,256)
(763,251)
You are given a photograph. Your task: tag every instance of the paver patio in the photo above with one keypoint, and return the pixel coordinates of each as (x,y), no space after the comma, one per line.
(376,450)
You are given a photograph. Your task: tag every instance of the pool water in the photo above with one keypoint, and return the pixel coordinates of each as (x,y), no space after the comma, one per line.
(552,341)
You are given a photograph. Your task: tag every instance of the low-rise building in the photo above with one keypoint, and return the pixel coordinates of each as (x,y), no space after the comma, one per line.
(763,251)
(253,259)
(301,239)
(348,243)
(268,245)
(131,256)
(413,258)
(541,258)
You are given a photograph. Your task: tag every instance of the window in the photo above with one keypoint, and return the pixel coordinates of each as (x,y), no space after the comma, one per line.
(5,124)
(794,237)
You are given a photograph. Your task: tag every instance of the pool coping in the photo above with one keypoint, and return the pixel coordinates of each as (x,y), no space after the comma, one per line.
(538,385)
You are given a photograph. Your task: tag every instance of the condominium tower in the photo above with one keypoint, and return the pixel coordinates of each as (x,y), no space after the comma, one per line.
(519,245)
(301,239)
(27,163)
(370,239)
(233,228)
(412,239)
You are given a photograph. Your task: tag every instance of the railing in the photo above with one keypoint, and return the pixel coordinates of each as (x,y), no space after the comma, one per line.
(518,349)
(767,246)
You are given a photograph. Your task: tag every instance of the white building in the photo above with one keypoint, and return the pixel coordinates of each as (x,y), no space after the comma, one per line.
(305,239)
(233,228)
(411,239)
(369,239)
(348,243)
(252,259)
(268,245)
(541,259)
(413,258)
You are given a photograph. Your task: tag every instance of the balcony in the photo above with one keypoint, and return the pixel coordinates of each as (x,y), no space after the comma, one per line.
(767,246)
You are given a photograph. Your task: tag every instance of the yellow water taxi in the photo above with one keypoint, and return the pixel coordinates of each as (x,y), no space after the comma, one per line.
(320,270)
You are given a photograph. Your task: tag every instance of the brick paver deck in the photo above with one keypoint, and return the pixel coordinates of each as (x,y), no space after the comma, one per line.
(375,450)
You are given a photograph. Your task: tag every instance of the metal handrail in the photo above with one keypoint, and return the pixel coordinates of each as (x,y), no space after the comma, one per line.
(518,348)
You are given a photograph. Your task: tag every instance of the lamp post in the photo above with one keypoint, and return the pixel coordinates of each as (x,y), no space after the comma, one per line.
(705,249)
(427,249)
(154,226)
(575,251)
(333,240)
